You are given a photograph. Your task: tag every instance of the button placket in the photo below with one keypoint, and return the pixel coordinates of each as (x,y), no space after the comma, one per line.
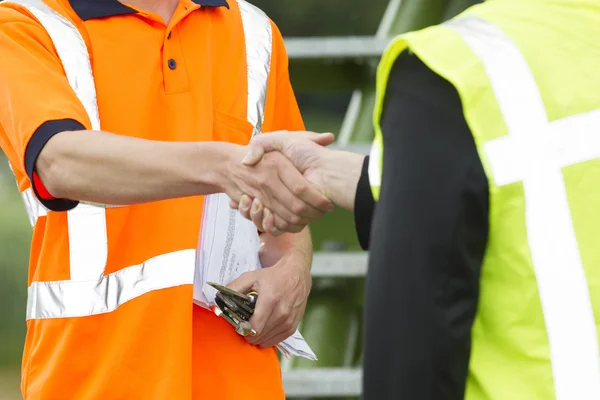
(174,68)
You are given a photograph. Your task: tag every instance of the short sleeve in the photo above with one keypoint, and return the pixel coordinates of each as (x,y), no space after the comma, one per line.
(36,100)
(281,111)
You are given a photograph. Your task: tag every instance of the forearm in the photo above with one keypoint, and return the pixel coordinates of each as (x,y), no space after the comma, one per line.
(106,168)
(342,171)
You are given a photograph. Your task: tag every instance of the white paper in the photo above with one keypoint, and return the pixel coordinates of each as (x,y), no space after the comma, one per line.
(228,247)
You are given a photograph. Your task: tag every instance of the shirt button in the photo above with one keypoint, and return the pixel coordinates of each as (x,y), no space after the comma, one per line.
(172,63)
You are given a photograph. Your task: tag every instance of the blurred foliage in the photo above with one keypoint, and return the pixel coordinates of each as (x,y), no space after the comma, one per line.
(15,236)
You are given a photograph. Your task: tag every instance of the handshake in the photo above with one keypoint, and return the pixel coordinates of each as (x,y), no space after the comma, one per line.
(284,180)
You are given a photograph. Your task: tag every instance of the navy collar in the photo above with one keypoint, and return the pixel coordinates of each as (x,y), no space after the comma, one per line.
(89,9)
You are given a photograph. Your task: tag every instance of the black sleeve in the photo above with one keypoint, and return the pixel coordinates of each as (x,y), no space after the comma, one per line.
(37,142)
(427,243)
(363,207)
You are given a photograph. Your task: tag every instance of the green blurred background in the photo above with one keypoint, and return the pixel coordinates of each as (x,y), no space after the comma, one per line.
(332,322)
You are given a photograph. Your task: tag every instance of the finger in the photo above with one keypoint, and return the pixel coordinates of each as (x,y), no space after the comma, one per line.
(275,339)
(262,314)
(257,214)
(245,283)
(280,226)
(278,141)
(255,154)
(244,206)
(282,202)
(276,325)
(234,204)
(278,334)
(307,202)
(269,223)
(323,139)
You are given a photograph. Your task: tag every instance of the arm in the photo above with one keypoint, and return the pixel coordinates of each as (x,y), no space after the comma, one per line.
(341,176)
(285,282)
(49,142)
(428,240)
(105,168)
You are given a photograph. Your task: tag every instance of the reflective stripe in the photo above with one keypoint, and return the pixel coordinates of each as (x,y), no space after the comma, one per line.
(87,223)
(259,44)
(73,53)
(89,291)
(375,166)
(534,152)
(34,208)
(88,242)
(68,299)
(573,140)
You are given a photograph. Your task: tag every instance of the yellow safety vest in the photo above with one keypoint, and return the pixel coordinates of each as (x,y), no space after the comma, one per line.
(528,73)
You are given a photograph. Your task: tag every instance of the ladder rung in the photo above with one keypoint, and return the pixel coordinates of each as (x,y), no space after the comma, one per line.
(333,63)
(339,264)
(322,382)
(357,47)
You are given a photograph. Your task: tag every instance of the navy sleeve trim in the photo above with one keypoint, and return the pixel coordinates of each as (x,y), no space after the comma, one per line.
(364,204)
(37,142)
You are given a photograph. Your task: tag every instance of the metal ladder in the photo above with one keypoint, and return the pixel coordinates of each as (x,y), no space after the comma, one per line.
(333,63)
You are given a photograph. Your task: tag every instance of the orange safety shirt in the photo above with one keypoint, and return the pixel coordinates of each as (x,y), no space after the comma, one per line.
(110,312)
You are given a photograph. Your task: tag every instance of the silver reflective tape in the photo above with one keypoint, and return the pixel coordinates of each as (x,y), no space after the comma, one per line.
(34,208)
(572,140)
(535,152)
(69,299)
(73,53)
(87,224)
(259,44)
(88,242)
(375,164)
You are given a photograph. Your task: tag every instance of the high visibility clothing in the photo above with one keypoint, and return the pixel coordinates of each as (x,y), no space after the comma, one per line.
(109,310)
(526,73)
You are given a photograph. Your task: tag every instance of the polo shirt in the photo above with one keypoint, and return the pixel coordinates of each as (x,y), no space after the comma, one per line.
(181,81)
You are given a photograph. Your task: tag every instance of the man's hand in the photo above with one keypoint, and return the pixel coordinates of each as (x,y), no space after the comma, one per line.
(283,291)
(279,185)
(333,173)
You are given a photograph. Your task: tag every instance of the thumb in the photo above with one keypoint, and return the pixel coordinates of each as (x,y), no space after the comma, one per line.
(254,155)
(245,283)
(323,139)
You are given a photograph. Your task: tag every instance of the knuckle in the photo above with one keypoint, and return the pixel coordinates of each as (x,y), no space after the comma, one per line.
(289,329)
(284,313)
(324,204)
(271,299)
(261,180)
(282,225)
(296,228)
(300,188)
(295,220)
(298,207)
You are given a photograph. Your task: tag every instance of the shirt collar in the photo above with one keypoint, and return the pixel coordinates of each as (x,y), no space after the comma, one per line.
(89,9)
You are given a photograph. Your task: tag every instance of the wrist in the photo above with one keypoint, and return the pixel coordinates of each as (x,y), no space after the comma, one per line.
(342,174)
(299,263)
(212,162)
